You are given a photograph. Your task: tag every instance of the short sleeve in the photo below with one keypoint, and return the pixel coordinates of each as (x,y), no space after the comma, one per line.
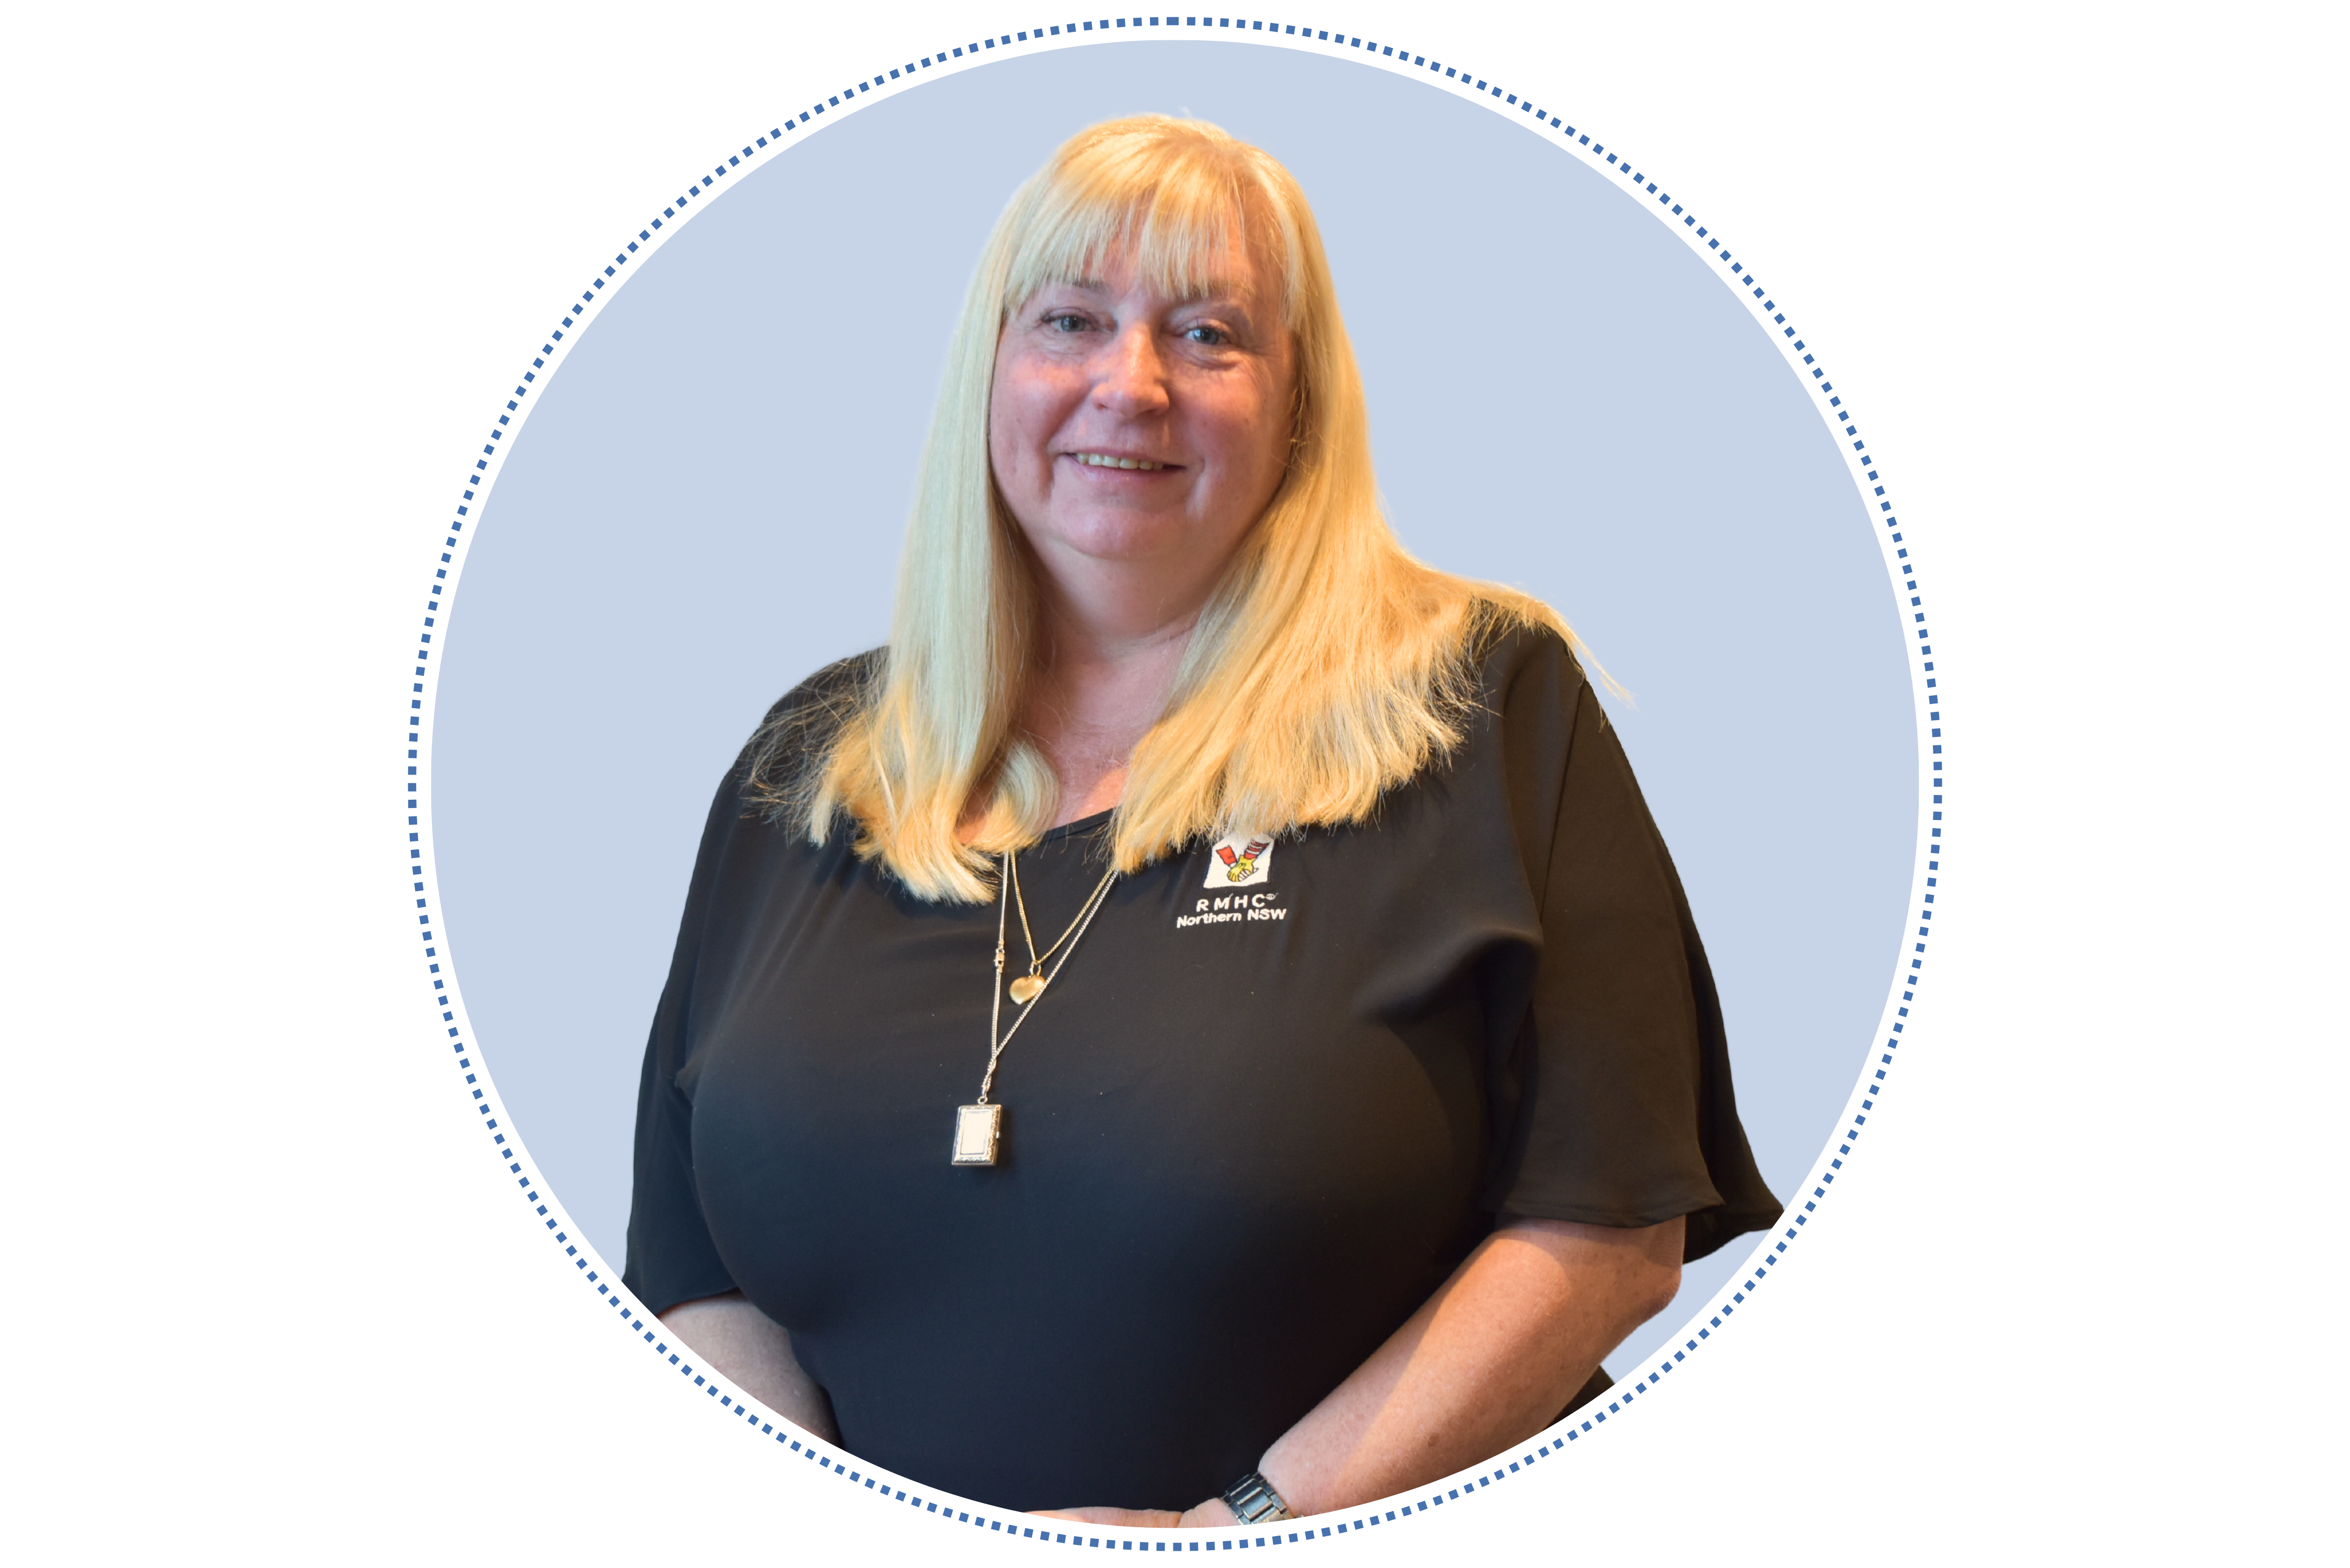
(671,1258)
(1625,1113)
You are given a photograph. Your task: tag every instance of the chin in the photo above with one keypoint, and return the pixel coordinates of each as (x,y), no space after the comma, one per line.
(1124,537)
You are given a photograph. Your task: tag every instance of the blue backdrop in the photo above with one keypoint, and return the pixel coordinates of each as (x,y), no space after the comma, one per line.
(708,501)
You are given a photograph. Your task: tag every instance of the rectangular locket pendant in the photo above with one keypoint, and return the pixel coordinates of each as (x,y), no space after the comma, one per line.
(977,1129)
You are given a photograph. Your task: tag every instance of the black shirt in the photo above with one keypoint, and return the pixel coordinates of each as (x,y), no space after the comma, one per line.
(1258,1117)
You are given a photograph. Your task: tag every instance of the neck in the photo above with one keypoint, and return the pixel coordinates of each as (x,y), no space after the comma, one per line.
(1099,683)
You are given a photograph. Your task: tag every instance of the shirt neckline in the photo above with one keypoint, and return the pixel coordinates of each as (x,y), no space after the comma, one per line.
(1079,826)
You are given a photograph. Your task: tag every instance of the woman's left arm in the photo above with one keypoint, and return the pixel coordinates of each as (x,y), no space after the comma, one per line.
(1489,1359)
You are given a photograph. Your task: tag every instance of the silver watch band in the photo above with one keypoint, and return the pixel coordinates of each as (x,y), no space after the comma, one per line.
(1252,1499)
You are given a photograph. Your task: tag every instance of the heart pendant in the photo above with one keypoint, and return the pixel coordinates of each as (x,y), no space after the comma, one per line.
(1024,989)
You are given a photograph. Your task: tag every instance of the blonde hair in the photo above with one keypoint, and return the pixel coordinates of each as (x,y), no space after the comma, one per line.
(1328,666)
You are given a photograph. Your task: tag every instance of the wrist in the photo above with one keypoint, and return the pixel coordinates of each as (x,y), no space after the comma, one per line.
(1256,1500)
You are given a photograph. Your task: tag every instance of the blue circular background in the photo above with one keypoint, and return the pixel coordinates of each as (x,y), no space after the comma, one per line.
(707,505)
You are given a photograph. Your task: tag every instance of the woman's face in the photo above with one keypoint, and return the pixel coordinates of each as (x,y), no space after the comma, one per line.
(1131,430)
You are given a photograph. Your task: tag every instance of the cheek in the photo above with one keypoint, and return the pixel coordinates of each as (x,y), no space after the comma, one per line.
(1008,454)
(1253,434)
(1022,415)
(1003,452)
(1251,426)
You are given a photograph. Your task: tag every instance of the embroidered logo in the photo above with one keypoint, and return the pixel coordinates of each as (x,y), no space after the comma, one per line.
(1243,860)
(1240,861)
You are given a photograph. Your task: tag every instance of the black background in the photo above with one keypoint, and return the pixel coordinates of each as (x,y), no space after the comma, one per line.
(1869,1371)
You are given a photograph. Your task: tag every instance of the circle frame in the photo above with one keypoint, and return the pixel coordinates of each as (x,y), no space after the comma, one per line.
(1770,1251)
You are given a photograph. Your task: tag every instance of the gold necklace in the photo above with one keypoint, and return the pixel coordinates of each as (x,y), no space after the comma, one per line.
(979,1128)
(1025,989)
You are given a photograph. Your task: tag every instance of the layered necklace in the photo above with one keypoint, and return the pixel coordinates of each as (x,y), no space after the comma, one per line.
(979,1128)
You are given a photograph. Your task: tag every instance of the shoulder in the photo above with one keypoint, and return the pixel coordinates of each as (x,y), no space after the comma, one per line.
(826,699)
(1528,710)
(800,728)
(836,688)
(1526,668)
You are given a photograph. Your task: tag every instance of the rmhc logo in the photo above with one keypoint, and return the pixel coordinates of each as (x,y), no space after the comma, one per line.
(1243,860)
(1240,861)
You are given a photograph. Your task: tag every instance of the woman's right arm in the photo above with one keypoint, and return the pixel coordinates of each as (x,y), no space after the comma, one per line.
(754,1352)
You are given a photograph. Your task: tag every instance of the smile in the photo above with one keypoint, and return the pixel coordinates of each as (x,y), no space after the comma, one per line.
(1103,460)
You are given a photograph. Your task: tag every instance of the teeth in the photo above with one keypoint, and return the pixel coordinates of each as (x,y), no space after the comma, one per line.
(1097,459)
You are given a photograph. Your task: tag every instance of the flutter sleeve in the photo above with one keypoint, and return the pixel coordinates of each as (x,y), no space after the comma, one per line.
(1625,1113)
(671,1258)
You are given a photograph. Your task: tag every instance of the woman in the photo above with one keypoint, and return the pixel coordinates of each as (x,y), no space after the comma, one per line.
(1203,1020)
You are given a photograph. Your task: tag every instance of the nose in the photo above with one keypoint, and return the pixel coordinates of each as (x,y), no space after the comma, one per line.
(1130,377)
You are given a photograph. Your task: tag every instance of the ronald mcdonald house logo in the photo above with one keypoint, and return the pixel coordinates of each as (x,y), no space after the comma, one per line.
(1243,860)
(1240,861)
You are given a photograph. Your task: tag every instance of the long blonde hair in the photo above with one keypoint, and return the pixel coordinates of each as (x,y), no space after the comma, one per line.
(1328,666)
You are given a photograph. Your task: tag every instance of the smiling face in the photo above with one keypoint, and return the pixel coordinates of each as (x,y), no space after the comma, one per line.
(1136,433)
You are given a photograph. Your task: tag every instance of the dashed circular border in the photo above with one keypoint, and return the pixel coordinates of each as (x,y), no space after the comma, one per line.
(894,78)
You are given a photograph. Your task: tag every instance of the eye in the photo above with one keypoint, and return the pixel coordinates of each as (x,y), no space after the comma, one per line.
(1067,321)
(1211,336)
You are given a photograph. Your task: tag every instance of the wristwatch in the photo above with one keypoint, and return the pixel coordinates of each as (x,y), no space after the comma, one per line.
(1253,1499)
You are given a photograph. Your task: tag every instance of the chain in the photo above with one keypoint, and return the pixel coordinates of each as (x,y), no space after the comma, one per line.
(1036,958)
(995,1005)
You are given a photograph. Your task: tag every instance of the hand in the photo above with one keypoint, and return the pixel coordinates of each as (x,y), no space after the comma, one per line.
(1207,1515)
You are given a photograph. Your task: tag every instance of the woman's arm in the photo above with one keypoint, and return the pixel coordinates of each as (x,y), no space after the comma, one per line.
(754,1352)
(1489,1359)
